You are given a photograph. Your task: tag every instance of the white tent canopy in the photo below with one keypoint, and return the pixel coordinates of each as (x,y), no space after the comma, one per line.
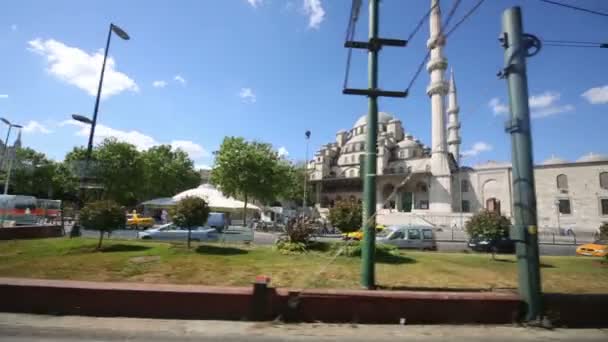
(215,198)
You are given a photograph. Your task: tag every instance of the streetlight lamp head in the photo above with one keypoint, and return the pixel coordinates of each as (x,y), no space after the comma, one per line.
(17,126)
(307,134)
(120,32)
(5,121)
(82,118)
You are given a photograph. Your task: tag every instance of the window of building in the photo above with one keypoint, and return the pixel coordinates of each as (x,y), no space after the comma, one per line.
(466,206)
(401,169)
(604,206)
(421,187)
(562,182)
(424,204)
(564,207)
(604,180)
(351,173)
(464,185)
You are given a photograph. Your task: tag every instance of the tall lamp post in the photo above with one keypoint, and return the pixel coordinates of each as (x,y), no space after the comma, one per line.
(123,35)
(8,133)
(307,134)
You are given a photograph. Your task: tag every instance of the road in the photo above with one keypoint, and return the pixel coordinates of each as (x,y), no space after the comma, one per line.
(261,238)
(29,328)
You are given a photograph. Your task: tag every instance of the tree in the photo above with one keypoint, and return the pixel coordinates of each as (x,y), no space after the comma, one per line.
(167,172)
(293,187)
(248,170)
(603,231)
(488,224)
(346,215)
(104,216)
(190,212)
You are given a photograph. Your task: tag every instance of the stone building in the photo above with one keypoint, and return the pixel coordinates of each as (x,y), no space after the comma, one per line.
(428,184)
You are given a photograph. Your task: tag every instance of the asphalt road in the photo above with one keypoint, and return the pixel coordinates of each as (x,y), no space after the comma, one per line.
(28,328)
(261,238)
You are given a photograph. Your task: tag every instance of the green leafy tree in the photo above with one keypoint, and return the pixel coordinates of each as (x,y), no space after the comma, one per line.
(488,224)
(604,231)
(103,216)
(190,212)
(346,215)
(248,170)
(293,187)
(167,172)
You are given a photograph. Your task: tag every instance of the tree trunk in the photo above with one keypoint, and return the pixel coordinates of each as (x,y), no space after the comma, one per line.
(245,213)
(100,239)
(189,236)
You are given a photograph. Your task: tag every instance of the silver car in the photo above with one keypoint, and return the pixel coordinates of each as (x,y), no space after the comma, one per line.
(172,232)
(411,237)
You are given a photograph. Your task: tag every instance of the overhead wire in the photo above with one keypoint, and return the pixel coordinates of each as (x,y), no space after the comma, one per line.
(350,34)
(575,7)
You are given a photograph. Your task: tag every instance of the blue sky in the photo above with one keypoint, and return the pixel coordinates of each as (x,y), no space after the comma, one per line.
(196,71)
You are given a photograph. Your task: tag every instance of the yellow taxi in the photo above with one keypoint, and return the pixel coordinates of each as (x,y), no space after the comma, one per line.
(598,248)
(358,235)
(134,220)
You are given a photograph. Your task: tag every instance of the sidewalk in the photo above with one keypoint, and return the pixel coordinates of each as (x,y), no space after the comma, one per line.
(21,327)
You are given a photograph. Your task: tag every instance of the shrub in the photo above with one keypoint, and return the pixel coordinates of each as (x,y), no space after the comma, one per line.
(488,224)
(298,232)
(346,216)
(190,212)
(604,231)
(286,247)
(104,216)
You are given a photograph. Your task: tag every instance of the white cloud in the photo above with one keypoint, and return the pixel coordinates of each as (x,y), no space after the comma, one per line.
(497,107)
(255,3)
(247,95)
(140,140)
(77,67)
(477,148)
(14,27)
(180,79)
(194,150)
(315,12)
(202,167)
(3,96)
(35,127)
(598,95)
(159,84)
(541,105)
(282,151)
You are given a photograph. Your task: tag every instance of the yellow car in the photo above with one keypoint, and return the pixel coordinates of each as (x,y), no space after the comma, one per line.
(358,235)
(599,249)
(134,220)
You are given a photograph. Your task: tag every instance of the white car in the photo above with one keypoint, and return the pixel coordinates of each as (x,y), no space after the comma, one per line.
(172,232)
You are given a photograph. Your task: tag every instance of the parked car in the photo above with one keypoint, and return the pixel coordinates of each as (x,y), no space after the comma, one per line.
(134,220)
(598,248)
(358,235)
(172,232)
(411,237)
(487,245)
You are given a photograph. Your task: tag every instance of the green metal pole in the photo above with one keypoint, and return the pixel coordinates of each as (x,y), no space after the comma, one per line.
(368,277)
(524,197)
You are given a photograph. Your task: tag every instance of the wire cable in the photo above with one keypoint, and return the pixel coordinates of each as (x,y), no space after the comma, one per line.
(422,20)
(350,34)
(574,7)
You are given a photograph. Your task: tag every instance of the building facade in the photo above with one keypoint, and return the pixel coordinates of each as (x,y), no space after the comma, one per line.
(429,184)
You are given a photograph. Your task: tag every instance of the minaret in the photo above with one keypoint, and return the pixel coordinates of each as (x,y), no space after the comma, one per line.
(440,187)
(453,121)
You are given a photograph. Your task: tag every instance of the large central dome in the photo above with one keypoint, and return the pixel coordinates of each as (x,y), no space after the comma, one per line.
(382,118)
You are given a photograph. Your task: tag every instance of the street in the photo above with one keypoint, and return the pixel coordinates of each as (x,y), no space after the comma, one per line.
(263,238)
(28,328)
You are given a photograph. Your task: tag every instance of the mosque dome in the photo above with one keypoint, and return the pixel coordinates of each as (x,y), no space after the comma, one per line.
(592,157)
(553,160)
(382,118)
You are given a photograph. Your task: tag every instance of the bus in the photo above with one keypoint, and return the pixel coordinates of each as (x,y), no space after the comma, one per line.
(27,210)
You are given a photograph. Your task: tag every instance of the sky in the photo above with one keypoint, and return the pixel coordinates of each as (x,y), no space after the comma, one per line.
(194,72)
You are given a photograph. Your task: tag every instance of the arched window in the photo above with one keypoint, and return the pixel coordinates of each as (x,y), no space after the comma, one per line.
(401,169)
(351,173)
(562,182)
(604,180)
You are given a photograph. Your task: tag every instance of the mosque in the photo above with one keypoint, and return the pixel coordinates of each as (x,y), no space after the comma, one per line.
(428,184)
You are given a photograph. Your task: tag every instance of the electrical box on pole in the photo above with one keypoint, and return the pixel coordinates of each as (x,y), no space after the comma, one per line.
(518,46)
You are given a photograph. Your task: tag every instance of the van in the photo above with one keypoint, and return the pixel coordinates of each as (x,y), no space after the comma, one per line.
(410,237)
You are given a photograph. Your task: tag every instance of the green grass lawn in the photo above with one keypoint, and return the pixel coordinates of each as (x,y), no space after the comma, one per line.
(152,262)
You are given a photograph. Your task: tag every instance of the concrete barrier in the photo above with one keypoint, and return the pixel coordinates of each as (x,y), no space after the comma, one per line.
(261,302)
(30,232)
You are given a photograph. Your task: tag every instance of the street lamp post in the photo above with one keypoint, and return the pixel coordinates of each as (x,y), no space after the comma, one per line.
(307,134)
(123,35)
(8,133)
